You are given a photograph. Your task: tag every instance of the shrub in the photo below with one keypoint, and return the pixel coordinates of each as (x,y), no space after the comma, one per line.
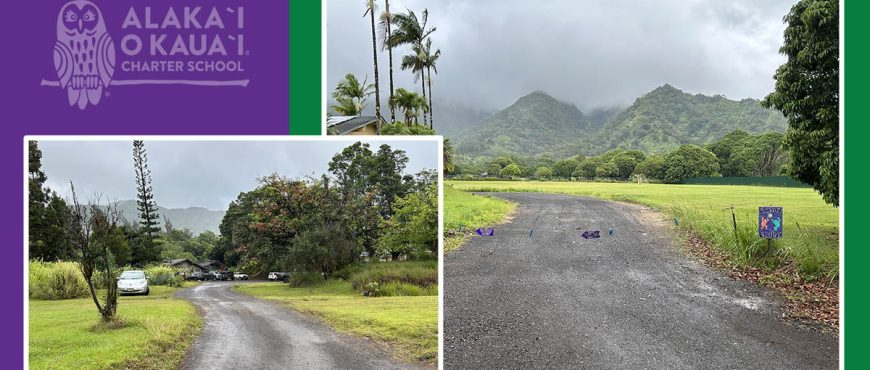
(304,279)
(176,281)
(422,274)
(160,274)
(56,280)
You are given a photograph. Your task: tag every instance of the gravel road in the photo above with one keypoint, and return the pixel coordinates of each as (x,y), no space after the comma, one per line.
(627,300)
(242,332)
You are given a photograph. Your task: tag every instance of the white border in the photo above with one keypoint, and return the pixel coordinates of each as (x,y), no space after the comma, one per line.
(229,138)
(842,143)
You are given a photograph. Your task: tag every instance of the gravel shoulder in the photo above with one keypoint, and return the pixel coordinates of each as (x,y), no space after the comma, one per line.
(243,332)
(627,300)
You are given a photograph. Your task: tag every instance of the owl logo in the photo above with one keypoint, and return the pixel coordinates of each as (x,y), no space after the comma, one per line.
(84,54)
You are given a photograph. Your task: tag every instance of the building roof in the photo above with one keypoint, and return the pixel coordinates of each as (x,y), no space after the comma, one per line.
(181,260)
(343,125)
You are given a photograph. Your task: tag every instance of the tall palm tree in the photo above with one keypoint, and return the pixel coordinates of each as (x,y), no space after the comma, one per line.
(410,103)
(430,60)
(416,62)
(385,33)
(350,95)
(411,30)
(370,11)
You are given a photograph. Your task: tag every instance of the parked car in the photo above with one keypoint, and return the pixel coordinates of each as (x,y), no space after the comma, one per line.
(197,276)
(133,282)
(277,276)
(240,276)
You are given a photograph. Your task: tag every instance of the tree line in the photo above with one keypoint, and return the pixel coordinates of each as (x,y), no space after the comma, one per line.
(367,207)
(737,154)
(391,31)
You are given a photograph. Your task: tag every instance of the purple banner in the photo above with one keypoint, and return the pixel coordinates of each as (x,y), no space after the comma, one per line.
(157,67)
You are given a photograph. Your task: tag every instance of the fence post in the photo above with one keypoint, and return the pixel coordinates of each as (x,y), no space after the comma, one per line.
(734,222)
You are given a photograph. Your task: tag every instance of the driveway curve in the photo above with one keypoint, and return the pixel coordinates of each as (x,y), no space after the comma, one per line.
(243,332)
(626,300)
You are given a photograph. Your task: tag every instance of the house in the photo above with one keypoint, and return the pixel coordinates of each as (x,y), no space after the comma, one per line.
(352,125)
(212,265)
(185,265)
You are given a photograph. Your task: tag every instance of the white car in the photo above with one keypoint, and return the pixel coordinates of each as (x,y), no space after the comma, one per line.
(240,276)
(133,282)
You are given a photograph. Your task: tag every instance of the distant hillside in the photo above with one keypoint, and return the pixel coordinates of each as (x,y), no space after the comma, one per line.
(667,117)
(455,120)
(195,219)
(656,122)
(536,123)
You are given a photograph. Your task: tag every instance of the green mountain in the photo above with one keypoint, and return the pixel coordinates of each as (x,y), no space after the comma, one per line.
(195,219)
(667,117)
(536,123)
(656,122)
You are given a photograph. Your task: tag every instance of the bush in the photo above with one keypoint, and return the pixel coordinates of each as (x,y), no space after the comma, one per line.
(160,274)
(422,274)
(56,280)
(176,281)
(304,279)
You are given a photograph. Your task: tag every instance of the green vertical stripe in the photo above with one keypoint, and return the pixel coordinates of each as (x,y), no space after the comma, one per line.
(857,248)
(305,68)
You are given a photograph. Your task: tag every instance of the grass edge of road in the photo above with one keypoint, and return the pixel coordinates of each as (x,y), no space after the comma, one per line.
(474,211)
(339,306)
(156,332)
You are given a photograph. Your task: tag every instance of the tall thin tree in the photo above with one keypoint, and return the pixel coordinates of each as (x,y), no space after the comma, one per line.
(386,32)
(370,11)
(431,60)
(412,31)
(145,203)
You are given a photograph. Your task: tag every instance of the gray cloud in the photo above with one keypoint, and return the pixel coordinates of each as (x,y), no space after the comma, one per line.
(591,53)
(198,173)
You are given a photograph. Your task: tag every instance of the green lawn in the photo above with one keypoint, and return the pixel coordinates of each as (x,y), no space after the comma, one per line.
(471,212)
(408,324)
(811,227)
(157,331)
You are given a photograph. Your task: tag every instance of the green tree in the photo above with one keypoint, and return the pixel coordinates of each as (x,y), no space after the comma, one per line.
(724,147)
(431,62)
(47,214)
(606,170)
(415,224)
(350,95)
(410,103)
(449,157)
(565,168)
(807,93)
(586,169)
(760,155)
(651,167)
(412,31)
(510,171)
(145,203)
(625,164)
(370,11)
(543,172)
(689,161)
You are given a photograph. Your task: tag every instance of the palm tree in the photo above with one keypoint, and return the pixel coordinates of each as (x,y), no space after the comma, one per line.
(411,104)
(416,62)
(350,95)
(370,11)
(449,156)
(412,31)
(430,60)
(385,33)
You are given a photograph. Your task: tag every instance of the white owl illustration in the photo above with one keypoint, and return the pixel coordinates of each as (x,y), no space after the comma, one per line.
(84,54)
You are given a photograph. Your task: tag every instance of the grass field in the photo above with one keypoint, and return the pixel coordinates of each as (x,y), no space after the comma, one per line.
(157,331)
(409,323)
(811,227)
(471,212)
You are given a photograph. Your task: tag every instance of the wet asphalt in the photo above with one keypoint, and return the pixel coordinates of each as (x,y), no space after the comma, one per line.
(242,332)
(629,300)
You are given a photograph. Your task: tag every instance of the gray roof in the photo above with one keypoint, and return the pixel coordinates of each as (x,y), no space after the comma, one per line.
(344,127)
(180,260)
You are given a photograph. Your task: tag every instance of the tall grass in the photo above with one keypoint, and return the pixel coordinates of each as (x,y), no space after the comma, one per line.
(56,280)
(408,278)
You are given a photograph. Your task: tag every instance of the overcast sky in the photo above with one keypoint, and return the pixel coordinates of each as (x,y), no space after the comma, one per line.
(591,53)
(203,174)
